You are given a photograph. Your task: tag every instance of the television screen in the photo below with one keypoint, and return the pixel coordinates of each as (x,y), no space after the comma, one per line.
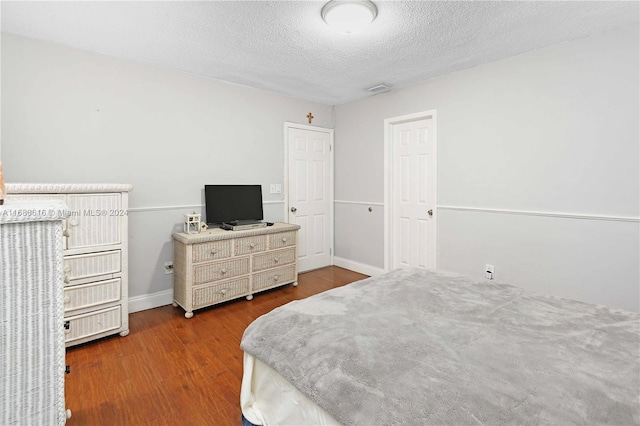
(233,203)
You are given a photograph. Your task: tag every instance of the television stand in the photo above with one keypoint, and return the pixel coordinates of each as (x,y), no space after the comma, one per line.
(215,266)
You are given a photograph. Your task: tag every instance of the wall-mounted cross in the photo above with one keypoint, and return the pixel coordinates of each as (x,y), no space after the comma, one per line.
(310,117)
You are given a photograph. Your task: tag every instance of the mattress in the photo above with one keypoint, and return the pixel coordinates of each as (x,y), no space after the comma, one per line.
(416,346)
(267,398)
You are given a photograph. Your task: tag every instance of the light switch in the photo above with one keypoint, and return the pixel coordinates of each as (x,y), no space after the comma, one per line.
(275,188)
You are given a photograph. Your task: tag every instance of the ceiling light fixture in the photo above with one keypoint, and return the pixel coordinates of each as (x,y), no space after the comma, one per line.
(349,16)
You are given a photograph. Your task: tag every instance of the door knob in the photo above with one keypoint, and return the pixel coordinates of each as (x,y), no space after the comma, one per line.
(430,212)
(293,210)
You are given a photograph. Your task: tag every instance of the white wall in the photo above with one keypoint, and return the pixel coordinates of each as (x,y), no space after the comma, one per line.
(555,130)
(551,131)
(74,116)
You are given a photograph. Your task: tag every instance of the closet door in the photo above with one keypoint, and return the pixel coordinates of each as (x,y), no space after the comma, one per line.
(310,193)
(411,184)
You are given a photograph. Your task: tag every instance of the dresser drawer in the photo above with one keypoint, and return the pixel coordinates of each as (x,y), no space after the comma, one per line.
(92,294)
(91,265)
(248,245)
(273,258)
(93,323)
(283,239)
(273,277)
(208,294)
(211,251)
(222,270)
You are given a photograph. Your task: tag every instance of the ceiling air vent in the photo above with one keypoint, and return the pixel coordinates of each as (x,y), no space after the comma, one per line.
(380,88)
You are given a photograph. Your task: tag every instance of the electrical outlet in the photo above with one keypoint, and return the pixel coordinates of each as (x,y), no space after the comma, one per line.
(488,271)
(168,268)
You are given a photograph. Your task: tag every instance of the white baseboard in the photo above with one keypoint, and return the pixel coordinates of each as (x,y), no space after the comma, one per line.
(362,268)
(150,301)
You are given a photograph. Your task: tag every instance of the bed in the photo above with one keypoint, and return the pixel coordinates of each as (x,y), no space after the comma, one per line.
(418,346)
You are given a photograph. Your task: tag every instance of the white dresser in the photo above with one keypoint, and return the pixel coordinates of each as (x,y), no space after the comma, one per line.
(32,348)
(95,255)
(217,265)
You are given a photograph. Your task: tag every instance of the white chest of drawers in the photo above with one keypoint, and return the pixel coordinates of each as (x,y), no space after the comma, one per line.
(95,255)
(216,265)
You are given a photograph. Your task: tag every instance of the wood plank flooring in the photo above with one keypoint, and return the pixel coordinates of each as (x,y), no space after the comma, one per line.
(171,370)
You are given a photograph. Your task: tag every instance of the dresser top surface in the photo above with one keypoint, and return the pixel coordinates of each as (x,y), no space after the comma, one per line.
(66,188)
(216,234)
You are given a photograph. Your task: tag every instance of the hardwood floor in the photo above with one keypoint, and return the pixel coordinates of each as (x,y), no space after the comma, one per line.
(171,370)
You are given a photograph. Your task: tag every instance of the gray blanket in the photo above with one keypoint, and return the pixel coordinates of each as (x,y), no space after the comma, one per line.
(422,347)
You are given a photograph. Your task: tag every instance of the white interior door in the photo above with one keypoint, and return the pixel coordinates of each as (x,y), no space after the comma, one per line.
(310,193)
(413,194)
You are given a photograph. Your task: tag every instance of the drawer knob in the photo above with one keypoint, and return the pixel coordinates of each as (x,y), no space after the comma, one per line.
(67,279)
(224,291)
(276,277)
(276,259)
(213,251)
(67,268)
(73,222)
(252,245)
(67,300)
(223,271)
(65,233)
(284,239)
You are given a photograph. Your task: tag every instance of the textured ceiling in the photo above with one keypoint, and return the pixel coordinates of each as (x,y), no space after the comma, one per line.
(285,47)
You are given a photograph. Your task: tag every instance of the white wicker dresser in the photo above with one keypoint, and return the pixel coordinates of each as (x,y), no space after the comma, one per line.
(215,266)
(95,255)
(32,349)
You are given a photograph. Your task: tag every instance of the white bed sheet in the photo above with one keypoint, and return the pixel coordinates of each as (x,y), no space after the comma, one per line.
(267,398)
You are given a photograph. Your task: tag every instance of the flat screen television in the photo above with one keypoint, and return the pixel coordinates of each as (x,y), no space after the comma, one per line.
(233,204)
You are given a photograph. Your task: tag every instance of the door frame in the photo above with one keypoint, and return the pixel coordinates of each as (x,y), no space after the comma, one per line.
(290,125)
(389,124)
